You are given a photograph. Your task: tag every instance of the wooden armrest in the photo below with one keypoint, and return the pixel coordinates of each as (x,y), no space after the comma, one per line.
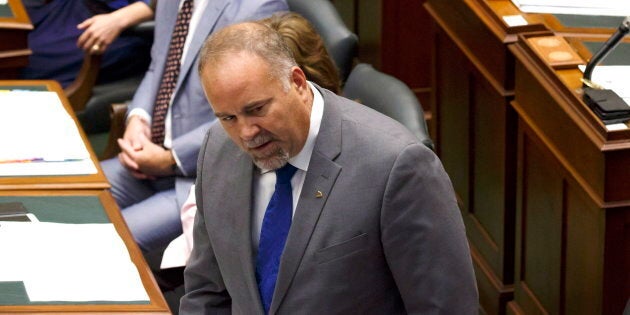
(117,114)
(80,90)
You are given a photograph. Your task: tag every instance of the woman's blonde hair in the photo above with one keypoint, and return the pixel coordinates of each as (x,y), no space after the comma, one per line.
(307,47)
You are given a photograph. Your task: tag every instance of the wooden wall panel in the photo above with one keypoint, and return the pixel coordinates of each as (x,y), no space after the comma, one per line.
(561,236)
(585,228)
(616,265)
(14,29)
(493,122)
(452,119)
(406,50)
(472,124)
(395,37)
(540,212)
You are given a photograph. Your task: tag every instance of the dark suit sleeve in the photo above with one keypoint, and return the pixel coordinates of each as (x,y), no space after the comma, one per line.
(205,290)
(424,239)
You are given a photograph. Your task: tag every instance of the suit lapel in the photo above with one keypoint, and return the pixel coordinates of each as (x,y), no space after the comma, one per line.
(230,210)
(320,179)
(241,218)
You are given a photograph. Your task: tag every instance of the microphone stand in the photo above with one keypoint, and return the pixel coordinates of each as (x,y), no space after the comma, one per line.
(609,46)
(606,104)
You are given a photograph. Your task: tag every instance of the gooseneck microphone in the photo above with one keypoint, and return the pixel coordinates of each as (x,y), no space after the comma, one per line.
(610,44)
(606,104)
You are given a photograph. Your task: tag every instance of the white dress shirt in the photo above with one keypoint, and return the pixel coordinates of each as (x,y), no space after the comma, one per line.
(265,180)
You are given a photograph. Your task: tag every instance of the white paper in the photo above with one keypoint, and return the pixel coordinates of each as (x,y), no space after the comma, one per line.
(79,167)
(613,78)
(69,262)
(35,129)
(581,7)
(514,20)
(618,126)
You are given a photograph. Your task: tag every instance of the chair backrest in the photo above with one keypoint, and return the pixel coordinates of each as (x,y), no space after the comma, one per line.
(389,96)
(341,43)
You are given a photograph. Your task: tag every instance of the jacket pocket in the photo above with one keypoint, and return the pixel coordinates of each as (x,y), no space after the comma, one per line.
(342,249)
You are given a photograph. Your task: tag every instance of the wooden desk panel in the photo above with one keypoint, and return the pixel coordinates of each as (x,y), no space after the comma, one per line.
(474,127)
(93,181)
(573,197)
(14,28)
(156,305)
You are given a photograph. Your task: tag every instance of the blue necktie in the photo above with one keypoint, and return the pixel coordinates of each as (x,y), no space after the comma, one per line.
(273,234)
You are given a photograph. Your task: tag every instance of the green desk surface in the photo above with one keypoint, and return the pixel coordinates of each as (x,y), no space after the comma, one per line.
(619,56)
(5,11)
(62,209)
(588,21)
(24,87)
(58,209)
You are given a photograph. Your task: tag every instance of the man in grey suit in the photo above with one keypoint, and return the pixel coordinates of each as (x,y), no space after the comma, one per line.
(150,181)
(375,227)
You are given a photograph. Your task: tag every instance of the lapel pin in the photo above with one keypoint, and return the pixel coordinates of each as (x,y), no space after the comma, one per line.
(319,194)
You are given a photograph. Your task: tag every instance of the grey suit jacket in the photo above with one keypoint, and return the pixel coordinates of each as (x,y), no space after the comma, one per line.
(190,111)
(386,237)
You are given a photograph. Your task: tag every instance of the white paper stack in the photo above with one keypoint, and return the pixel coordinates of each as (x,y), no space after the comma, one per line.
(580,7)
(38,137)
(69,262)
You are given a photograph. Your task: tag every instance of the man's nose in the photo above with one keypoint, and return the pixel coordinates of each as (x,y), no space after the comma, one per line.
(249,130)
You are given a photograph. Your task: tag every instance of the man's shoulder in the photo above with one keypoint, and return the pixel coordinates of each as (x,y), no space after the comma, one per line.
(369,124)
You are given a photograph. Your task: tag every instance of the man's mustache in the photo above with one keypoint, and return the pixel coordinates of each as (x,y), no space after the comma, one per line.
(258,140)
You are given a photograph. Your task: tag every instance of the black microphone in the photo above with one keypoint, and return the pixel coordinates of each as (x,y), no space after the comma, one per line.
(609,45)
(606,104)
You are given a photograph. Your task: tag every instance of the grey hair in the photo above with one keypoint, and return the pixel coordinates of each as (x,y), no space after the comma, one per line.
(252,37)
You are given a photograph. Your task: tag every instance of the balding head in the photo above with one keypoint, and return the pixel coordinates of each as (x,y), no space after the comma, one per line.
(253,38)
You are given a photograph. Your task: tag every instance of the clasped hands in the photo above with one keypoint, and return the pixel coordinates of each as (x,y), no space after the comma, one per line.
(143,158)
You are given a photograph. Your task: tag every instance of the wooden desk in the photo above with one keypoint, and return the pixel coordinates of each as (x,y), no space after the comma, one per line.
(14,28)
(93,181)
(475,128)
(83,206)
(473,82)
(573,195)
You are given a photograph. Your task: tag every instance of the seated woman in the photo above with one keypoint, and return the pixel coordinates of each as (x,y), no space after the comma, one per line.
(64,29)
(308,49)
(311,55)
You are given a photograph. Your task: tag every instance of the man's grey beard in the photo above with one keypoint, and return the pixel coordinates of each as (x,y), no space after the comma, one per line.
(279,159)
(276,160)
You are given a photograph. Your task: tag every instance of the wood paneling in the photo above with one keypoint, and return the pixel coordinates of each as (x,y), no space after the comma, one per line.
(14,50)
(573,198)
(474,128)
(394,37)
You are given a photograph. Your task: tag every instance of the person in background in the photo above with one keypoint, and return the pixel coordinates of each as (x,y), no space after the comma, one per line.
(313,58)
(168,117)
(308,49)
(310,203)
(63,30)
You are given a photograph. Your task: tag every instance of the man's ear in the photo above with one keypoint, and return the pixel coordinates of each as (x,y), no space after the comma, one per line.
(298,78)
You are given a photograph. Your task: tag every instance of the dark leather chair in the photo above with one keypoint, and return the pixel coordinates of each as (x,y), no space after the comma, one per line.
(341,43)
(387,95)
